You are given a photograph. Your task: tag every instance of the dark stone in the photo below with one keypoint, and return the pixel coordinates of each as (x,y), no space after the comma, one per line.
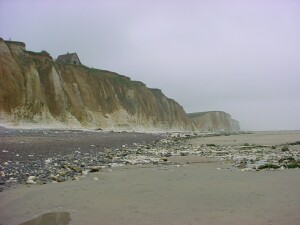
(268,166)
(168,154)
(57,179)
(184,153)
(285,148)
(95,169)
(295,143)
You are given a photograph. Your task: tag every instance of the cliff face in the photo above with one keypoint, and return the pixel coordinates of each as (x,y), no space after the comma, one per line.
(214,121)
(35,89)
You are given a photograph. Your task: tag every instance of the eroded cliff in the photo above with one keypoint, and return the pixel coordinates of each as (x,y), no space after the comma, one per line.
(35,89)
(214,121)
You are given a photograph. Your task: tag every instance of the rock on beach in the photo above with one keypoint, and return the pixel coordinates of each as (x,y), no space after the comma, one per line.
(75,165)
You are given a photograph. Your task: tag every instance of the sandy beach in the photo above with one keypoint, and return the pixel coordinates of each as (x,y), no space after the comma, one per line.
(257,138)
(197,191)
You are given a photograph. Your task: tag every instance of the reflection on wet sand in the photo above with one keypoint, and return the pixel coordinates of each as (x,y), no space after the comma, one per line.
(55,218)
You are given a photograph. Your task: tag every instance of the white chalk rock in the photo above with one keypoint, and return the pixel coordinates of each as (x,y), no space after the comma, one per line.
(30,182)
(33,178)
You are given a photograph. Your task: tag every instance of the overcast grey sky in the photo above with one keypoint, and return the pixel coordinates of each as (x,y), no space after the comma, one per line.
(242,56)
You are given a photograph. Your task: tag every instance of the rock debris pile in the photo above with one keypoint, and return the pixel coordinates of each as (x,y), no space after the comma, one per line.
(76,165)
(248,157)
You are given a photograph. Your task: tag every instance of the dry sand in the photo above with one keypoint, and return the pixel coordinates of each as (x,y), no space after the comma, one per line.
(201,192)
(258,138)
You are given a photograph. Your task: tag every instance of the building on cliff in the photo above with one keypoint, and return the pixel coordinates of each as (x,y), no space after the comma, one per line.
(69,58)
(35,90)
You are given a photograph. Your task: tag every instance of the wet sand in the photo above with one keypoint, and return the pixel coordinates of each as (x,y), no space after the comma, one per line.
(199,191)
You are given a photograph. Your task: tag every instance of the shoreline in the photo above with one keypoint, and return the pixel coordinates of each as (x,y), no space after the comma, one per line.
(58,126)
(42,156)
(169,179)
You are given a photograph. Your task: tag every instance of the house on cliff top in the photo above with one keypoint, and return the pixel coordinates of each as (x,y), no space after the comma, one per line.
(69,58)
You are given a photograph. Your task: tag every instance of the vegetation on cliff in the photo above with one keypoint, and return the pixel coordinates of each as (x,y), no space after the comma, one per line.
(36,89)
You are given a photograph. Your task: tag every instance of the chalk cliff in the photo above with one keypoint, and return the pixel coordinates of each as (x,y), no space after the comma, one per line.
(35,89)
(214,121)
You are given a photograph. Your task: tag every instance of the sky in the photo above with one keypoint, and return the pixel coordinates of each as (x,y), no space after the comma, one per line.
(237,56)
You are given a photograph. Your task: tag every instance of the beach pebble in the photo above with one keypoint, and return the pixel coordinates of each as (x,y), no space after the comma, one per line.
(12,179)
(31,178)
(49,160)
(185,153)
(76,178)
(57,178)
(85,172)
(95,169)
(70,166)
(30,182)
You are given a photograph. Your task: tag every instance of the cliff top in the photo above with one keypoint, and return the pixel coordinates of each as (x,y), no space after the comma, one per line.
(15,42)
(196,114)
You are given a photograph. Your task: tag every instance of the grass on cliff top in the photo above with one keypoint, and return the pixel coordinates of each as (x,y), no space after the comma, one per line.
(105,74)
(196,114)
(117,78)
(15,42)
(42,53)
(95,71)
